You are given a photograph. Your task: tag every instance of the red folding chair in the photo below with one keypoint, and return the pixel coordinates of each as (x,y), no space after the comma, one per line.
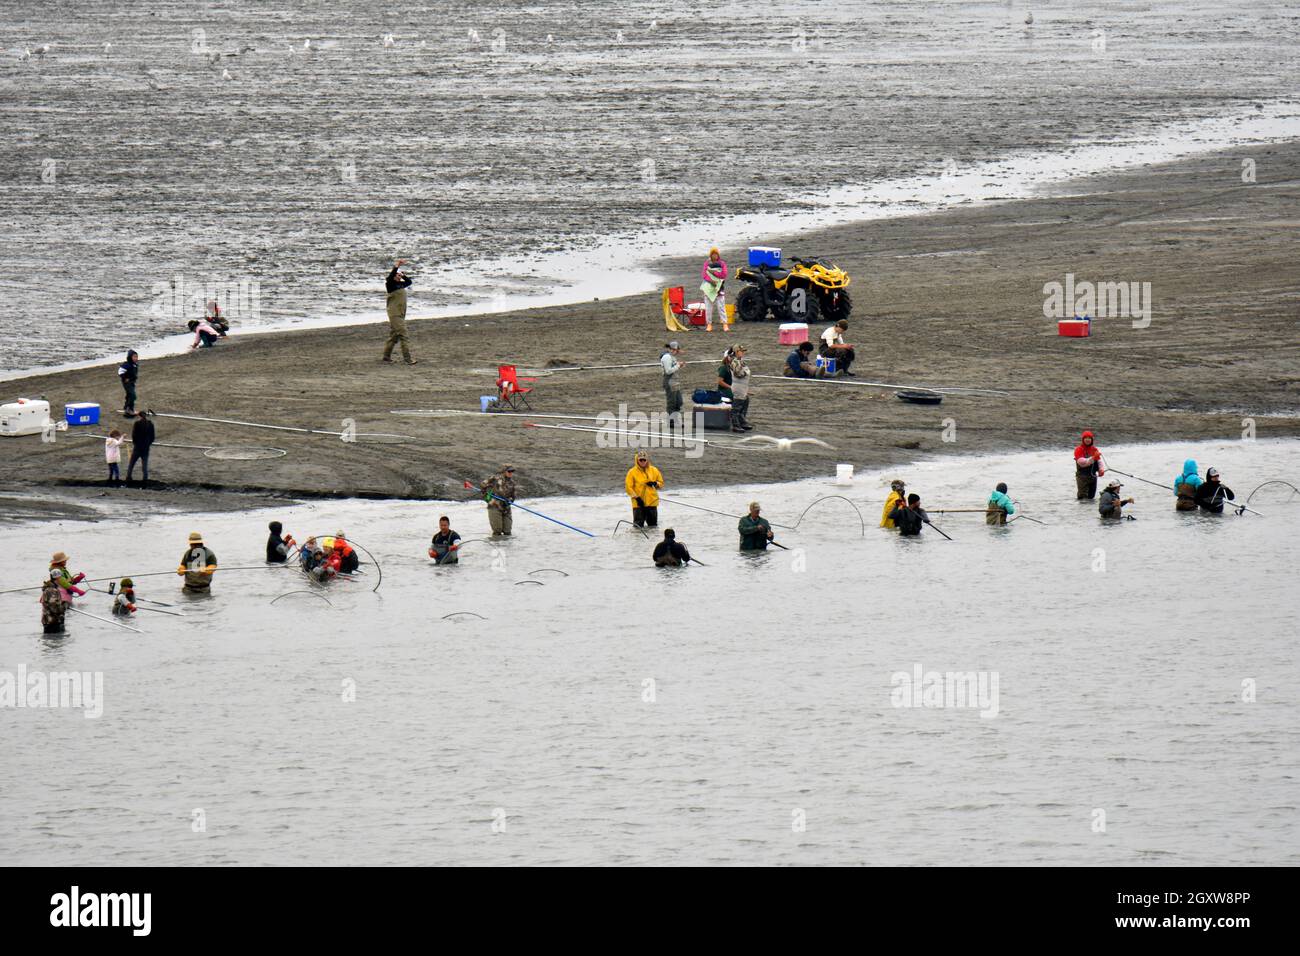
(511,392)
(677,303)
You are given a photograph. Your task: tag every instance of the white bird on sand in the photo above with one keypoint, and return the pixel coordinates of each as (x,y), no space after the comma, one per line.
(225,75)
(1029,18)
(783,444)
(306,44)
(390,40)
(107,47)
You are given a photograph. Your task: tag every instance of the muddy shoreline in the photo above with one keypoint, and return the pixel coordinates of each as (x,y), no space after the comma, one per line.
(947,299)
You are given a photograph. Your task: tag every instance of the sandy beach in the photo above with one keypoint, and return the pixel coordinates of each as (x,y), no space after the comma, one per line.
(952,299)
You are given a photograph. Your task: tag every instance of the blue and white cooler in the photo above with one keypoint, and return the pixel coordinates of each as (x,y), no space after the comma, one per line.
(81,413)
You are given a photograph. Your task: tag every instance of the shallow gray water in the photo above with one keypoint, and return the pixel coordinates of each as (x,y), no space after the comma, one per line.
(133,165)
(1119,689)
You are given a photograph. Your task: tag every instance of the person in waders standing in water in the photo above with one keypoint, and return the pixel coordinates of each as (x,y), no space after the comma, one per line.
(1186,485)
(1088,467)
(397,284)
(198,564)
(498,493)
(53,610)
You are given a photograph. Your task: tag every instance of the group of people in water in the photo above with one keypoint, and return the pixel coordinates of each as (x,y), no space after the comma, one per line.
(1191,492)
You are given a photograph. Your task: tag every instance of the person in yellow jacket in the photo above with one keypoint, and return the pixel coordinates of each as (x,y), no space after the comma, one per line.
(897,499)
(643,483)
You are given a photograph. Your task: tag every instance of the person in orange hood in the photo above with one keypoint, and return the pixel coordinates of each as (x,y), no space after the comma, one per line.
(1088,466)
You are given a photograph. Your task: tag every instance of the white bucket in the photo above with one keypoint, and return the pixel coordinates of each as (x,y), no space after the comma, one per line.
(843,474)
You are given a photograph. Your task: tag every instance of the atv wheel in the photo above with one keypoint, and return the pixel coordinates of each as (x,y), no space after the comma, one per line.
(802,307)
(750,305)
(837,305)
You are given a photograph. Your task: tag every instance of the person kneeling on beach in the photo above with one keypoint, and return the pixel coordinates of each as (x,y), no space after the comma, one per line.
(755,531)
(670,553)
(910,519)
(999,506)
(1110,505)
(205,336)
(198,564)
(444,549)
(800,364)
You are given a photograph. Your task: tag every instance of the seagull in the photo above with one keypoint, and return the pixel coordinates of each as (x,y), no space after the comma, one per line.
(783,444)
(654,24)
(389,40)
(225,75)
(306,44)
(1030,18)
(107,47)
(42,50)
(473,35)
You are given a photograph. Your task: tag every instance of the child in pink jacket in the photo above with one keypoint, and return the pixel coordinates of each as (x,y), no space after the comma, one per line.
(113,454)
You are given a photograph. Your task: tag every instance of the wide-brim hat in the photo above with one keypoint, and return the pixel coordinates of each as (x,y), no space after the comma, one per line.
(59,558)
(196,538)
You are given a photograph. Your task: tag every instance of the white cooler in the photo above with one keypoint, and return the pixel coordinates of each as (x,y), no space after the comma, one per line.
(26,416)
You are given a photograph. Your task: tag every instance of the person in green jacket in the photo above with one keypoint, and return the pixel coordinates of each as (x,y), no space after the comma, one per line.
(755,532)
(999,506)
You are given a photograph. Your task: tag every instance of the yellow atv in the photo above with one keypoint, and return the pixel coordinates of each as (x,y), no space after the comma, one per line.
(809,291)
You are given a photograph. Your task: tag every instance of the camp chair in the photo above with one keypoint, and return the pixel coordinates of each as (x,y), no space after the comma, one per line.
(675,302)
(512,393)
(671,322)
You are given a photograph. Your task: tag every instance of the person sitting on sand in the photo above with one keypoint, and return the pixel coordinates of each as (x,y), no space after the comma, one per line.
(205,336)
(800,364)
(1110,505)
(670,553)
(1212,493)
(443,548)
(834,346)
(999,506)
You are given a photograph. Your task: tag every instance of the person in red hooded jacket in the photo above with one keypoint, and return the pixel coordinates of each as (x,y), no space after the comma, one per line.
(1088,466)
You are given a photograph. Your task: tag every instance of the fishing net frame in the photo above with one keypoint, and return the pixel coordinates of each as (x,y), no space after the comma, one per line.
(244,452)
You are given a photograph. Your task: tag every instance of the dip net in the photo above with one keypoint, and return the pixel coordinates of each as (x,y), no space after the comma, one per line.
(244,452)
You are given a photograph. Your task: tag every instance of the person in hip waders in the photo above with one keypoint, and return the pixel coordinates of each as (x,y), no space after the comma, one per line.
(672,389)
(740,377)
(197,566)
(714,274)
(1000,505)
(1088,467)
(396,284)
(499,492)
(642,484)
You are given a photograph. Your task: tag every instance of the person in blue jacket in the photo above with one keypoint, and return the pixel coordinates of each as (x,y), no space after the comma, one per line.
(999,506)
(1185,486)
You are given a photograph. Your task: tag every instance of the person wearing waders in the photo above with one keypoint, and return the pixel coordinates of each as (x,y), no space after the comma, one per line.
(999,506)
(443,548)
(278,547)
(1088,467)
(897,498)
(1213,492)
(670,553)
(672,390)
(498,492)
(397,284)
(642,485)
(53,610)
(349,560)
(1110,505)
(740,376)
(755,531)
(1185,486)
(128,373)
(197,566)
(909,519)
(142,438)
(124,600)
(64,579)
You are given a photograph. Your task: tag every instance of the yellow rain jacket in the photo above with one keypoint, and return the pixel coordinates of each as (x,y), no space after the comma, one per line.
(895,500)
(638,484)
